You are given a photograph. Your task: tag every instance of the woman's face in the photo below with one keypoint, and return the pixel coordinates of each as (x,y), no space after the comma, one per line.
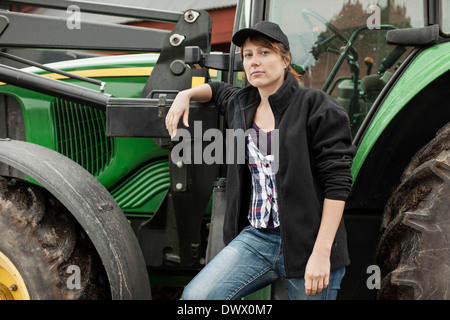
(264,68)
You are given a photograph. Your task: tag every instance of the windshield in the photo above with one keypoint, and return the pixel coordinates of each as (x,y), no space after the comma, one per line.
(339,45)
(305,23)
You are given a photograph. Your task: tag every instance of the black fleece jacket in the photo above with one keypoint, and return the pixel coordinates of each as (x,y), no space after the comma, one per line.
(315,158)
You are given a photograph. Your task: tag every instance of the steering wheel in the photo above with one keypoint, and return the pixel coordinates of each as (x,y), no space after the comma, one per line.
(307,13)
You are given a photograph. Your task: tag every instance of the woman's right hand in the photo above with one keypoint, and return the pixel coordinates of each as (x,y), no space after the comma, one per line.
(179,108)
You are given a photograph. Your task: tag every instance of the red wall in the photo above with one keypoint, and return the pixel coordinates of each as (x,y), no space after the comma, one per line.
(222,27)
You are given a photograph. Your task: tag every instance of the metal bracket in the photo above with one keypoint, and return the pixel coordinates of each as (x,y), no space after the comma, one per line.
(161,105)
(195,31)
(179,176)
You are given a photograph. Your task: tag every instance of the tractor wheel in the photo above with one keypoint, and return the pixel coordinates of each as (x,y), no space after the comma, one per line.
(44,254)
(414,249)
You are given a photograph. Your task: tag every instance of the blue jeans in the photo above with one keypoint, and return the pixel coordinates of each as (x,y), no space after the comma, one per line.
(250,262)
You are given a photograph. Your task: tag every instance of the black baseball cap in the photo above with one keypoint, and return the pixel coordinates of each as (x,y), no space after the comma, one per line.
(263,28)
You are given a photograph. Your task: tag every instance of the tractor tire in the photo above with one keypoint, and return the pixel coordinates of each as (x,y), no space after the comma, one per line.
(414,249)
(44,249)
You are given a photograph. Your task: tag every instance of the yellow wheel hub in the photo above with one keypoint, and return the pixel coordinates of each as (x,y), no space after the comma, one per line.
(12,286)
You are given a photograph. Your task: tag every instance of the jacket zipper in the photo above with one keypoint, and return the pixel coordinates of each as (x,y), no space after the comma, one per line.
(240,111)
(280,215)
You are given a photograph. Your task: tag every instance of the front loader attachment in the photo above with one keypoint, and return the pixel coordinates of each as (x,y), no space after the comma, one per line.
(172,236)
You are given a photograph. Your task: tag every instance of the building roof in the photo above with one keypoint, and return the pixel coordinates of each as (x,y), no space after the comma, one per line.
(174,5)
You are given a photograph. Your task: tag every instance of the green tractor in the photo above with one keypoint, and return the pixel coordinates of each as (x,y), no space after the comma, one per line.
(93,207)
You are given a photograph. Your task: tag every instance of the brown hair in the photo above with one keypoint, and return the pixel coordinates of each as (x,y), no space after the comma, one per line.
(278,48)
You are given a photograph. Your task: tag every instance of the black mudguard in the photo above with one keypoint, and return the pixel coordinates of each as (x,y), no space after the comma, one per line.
(94,208)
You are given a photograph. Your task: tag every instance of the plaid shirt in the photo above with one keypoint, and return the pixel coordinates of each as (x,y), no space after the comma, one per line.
(263,211)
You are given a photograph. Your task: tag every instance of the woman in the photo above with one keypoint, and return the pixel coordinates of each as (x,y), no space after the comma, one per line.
(285,222)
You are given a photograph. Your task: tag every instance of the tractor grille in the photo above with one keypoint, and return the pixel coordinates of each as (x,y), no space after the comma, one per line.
(80,135)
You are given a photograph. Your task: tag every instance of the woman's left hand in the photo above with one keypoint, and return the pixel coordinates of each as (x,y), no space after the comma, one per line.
(317,273)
